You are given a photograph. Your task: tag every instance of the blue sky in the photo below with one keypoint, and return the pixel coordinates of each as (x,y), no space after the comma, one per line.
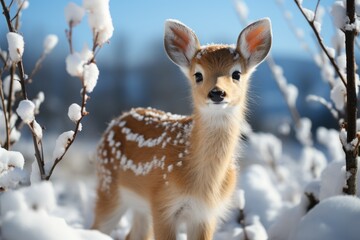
(141,21)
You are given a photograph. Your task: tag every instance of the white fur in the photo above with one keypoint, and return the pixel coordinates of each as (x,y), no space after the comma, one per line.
(183,209)
(193,211)
(220,115)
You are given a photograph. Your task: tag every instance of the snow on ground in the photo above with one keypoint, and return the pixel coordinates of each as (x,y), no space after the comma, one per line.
(275,200)
(332,219)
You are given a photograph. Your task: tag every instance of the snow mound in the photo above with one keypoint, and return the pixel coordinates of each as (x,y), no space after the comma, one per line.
(332,219)
(261,193)
(38,225)
(30,212)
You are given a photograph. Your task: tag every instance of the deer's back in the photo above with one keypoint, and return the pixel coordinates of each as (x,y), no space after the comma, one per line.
(141,145)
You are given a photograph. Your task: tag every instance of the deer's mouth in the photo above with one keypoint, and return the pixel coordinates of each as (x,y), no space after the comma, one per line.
(217,105)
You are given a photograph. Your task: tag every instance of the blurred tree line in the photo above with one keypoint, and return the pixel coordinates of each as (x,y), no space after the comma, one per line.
(158,83)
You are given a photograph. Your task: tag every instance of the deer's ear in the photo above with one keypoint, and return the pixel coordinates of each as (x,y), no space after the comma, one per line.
(180,42)
(254,42)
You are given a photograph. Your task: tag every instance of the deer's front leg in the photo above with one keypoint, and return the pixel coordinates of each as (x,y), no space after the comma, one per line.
(201,231)
(164,228)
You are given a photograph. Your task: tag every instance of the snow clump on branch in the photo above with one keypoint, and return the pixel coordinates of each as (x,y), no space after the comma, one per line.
(61,143)
(76,61)
(74,14)
(10,159)
(74,112)
(50,42)
(16,85)
(26,110)
(99,20)
(91,75)
(75,64)
(23,4)
(11,164)
(16,46)
(37,129)
(338,95)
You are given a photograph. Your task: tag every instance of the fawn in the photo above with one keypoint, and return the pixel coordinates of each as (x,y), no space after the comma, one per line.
(171,169)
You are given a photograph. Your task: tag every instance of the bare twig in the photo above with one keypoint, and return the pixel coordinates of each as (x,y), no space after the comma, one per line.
(37,67)
(321,43)
(17,22)
(7,120)
(8,111)
(323,58)
(96,36)
(38,154)
(293,28)
(77,129)
(20,67)
(301,40)
(18,12)
(10,97)
(3,60)
(69,36)
(313,201)
(94,48)
(316,8)
(7,15)
(325,103)
(11,3)
(241,221)
(292,109)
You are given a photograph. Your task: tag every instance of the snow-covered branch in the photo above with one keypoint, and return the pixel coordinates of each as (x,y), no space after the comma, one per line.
(325,103)
(310,17)
(78,64)
(82,65)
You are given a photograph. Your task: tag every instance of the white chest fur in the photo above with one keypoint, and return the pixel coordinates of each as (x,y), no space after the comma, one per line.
(190,209)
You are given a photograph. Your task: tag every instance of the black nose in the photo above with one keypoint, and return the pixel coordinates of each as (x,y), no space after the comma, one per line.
(216,95)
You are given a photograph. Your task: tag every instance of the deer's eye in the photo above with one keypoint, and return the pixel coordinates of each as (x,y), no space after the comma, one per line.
(198,77)
(236,75)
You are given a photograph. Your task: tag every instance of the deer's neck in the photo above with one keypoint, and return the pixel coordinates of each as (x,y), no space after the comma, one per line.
(213,141)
